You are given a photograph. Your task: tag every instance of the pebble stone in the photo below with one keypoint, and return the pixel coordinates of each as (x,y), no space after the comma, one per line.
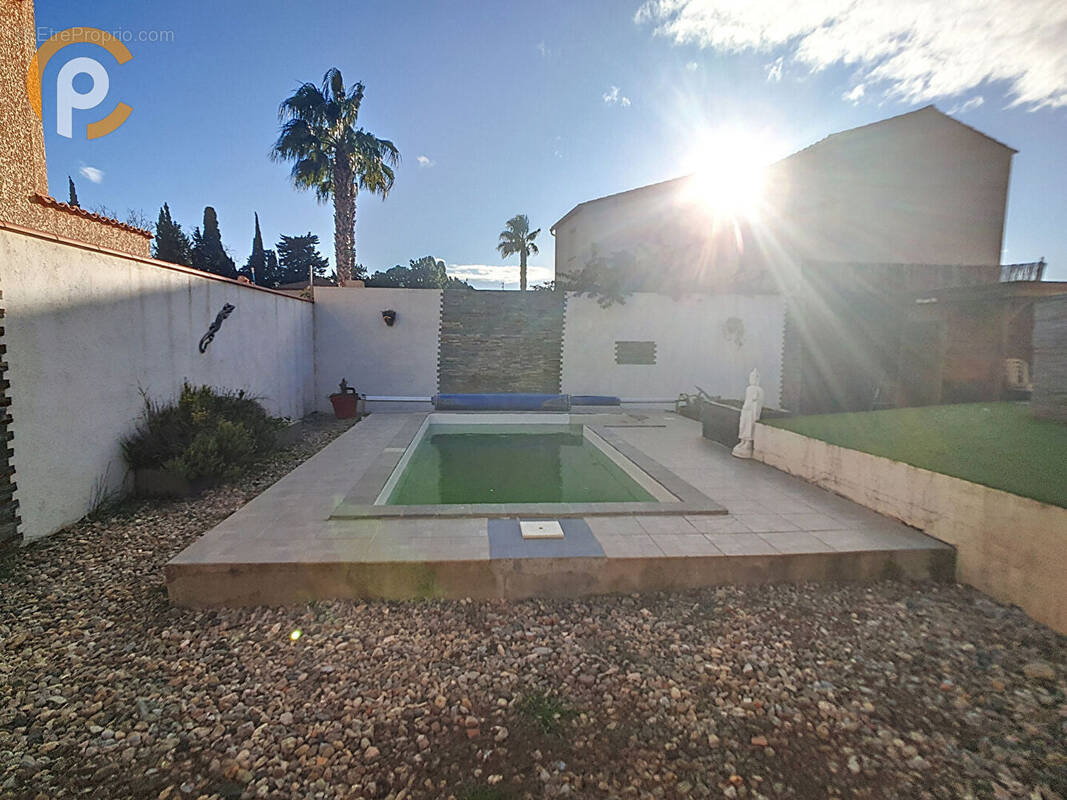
(892,689)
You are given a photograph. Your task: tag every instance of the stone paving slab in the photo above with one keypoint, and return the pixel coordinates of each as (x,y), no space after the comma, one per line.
(505,541)
(288,545)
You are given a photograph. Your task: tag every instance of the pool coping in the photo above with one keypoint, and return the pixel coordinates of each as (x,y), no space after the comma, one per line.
(360,503)
(282,548)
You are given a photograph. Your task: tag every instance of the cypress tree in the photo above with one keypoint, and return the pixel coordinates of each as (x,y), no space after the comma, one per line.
(256,266)
(72,192)
(272,271)
(196,247)
(170,242)
(208,253)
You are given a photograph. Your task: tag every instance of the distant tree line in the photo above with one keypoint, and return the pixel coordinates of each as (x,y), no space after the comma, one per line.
(421,273)
(292,260)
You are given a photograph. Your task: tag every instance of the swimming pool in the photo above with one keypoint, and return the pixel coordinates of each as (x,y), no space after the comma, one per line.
(515,465)
(484,463)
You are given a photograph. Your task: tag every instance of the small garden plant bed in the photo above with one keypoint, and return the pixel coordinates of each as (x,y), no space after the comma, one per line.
(995,444)
(204,437)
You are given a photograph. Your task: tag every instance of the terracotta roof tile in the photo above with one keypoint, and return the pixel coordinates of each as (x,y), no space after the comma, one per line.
(51,202)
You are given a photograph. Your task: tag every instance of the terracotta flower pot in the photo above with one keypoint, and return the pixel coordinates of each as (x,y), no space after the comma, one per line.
(345,402)
(345,406)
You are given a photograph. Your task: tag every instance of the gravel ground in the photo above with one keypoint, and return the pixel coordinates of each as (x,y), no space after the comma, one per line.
(891,690)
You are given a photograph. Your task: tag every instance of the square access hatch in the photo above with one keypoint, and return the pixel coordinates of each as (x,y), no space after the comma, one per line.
(540,529)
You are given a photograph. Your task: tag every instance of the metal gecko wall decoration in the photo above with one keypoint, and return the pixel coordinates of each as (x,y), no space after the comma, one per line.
(208,337)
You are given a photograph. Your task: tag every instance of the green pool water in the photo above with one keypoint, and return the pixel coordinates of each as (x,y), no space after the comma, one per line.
(511,464)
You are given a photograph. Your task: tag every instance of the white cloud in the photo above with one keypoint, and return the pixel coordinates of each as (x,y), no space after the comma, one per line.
(425,161)
(855,94)
(613,97)
(969,105)
(92,173)
(692,66)
(490,276)
(774,70)
(913,50)
(542,48)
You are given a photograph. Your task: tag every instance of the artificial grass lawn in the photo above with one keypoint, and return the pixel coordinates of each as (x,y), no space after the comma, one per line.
(994,444)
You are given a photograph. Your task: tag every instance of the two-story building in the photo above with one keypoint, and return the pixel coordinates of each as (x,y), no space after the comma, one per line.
(919,188)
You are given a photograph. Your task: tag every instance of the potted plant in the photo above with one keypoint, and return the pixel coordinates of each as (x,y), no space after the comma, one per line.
(345,401)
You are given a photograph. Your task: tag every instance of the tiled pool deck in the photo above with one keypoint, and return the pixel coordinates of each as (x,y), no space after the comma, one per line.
(288,545)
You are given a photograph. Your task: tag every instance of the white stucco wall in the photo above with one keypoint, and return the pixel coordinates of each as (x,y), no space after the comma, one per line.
(691,346)
(352,341)
(87,331)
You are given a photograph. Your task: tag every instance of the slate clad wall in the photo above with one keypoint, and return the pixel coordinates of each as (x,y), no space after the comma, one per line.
(1049,398)
(499,341)
(9,506)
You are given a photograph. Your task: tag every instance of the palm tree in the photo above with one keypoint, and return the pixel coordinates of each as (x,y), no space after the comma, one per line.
(334,157)
(517,238)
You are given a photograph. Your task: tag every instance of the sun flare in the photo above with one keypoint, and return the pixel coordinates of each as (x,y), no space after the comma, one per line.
(729,174)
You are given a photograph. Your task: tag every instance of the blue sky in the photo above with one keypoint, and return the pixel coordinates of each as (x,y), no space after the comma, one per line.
(505,108)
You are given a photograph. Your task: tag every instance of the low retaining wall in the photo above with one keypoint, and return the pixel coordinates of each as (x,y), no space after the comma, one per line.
(1008,546)
(720,422)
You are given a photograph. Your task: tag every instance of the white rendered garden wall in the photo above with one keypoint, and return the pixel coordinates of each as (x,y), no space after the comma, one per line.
(710,341)
(352,341)
(87,330)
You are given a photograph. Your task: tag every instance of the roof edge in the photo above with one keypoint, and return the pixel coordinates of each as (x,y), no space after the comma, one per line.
(926,108)
(613,195)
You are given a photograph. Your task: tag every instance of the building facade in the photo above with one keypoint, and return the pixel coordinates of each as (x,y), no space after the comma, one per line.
(919,188)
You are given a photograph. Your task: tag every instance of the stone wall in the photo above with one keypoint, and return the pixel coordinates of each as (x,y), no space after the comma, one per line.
(1049,398)
(22,164)
(1008,546)
(499,341)
(9,506)
(24,198)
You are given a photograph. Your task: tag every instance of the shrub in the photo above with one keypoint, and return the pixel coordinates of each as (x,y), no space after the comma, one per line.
(207,435)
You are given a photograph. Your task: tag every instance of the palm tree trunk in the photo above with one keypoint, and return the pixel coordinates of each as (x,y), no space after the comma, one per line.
(522,270)
(344,222)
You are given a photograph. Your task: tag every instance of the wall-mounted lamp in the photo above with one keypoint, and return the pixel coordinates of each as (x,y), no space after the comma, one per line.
(390,317)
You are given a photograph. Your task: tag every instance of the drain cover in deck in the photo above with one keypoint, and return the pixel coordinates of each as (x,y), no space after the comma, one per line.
(540,529)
